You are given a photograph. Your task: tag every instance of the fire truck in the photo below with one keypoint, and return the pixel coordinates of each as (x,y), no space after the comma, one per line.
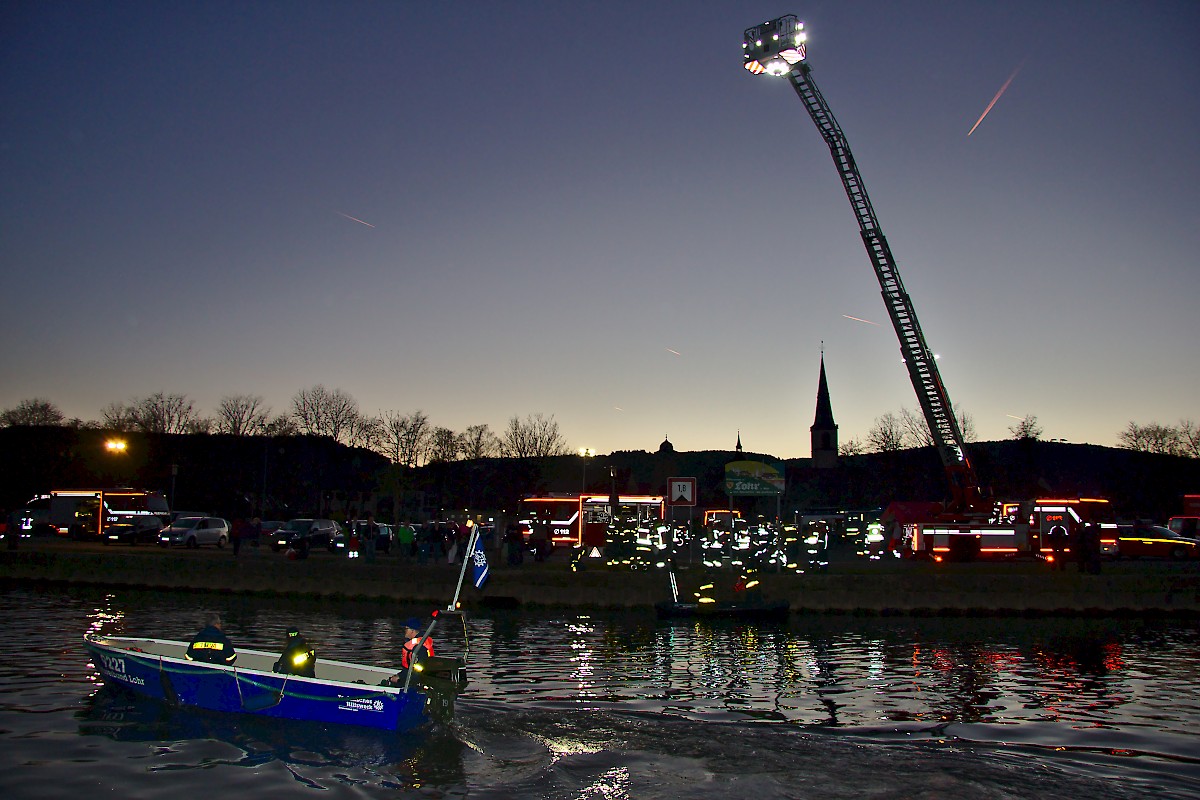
(87,513)
(970,524)
(1017,529)
(583,519)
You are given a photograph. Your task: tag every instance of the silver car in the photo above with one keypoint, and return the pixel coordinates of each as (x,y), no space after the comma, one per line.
(194,531)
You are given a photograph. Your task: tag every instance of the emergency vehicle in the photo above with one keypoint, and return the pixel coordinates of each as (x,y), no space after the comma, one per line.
(87,513)
(584,519)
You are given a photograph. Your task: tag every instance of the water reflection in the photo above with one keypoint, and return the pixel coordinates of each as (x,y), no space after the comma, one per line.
(812,672)
(310,750)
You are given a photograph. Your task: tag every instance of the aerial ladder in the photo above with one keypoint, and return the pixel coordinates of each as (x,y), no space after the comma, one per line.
(777,48)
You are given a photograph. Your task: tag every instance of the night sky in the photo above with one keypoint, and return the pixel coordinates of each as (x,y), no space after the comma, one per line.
(590,210)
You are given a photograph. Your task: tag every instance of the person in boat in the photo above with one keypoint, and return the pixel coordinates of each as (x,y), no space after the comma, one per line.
(412,641)
(211,645)
(298,658)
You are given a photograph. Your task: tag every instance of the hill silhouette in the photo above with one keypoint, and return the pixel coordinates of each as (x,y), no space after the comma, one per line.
(307,475)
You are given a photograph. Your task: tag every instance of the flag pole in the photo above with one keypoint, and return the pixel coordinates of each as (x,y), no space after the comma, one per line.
(466,558)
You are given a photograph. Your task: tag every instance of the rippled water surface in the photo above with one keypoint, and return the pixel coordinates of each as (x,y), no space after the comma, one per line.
(568,705)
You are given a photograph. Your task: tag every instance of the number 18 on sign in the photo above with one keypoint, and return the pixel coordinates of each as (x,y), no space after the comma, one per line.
(681,491)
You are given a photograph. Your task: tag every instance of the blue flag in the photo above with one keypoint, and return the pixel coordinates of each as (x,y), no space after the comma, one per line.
(479,565)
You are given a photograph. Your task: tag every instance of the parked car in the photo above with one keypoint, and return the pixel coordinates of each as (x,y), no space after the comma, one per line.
(1154,540)
(269,527)
(383,538)
(305,534)
(193,532)
(143,531)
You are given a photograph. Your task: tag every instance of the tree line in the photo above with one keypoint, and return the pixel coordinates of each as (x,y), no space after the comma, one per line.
(411,439)
(407,439)
(907,430)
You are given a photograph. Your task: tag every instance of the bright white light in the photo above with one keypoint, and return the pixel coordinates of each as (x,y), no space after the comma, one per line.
(777,68)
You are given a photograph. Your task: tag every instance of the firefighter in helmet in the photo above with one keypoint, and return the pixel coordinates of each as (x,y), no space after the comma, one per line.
(298,657)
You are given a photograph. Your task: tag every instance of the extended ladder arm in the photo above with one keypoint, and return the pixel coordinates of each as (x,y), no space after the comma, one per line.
(922,369)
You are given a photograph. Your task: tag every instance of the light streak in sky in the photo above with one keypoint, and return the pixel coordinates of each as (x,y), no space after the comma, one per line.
(997,97)
(1010,415)
(860,319)
(356,219)
(676,352)
(618,408)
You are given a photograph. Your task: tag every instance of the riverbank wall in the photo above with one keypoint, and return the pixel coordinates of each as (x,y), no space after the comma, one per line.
(881,588)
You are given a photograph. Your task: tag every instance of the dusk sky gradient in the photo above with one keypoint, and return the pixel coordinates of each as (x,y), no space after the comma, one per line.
(560,194)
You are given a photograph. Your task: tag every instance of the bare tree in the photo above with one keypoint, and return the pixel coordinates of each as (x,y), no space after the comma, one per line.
(916,428)
(444,445)
(242,415)
(534,437)
(966,425)
(916,431)
(117,417)
(404,438)
(1027,428)
(886,435)
(322,412)
(852,448)
(365,432)
(1152,438)
(163,413)
(283,425)
(35,411)
(478,441)
(1189,438)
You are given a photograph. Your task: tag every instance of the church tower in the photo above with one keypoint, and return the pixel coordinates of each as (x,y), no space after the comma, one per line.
(824,429)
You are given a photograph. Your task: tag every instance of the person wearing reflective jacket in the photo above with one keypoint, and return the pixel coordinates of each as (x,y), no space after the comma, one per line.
(412,641)
(211,645)
(298,658)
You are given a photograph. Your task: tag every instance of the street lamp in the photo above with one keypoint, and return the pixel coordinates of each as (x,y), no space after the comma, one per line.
(585,453)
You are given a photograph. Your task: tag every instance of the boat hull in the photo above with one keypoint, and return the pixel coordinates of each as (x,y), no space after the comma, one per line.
(151,667)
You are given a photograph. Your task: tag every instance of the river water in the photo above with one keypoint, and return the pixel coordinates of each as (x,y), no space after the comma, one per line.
(620,705)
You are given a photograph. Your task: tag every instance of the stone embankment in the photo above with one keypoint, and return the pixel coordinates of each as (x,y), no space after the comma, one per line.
(852,587)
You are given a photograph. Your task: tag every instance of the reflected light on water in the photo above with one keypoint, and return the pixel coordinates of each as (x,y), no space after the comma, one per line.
(105,620)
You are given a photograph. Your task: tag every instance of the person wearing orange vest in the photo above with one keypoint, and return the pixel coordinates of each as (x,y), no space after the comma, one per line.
(412,641)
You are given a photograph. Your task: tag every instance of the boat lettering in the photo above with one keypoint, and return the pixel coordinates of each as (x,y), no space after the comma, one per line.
(361,705)
(113,664)
(115,668)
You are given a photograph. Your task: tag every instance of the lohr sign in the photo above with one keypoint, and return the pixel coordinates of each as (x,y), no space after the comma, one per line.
(753,478)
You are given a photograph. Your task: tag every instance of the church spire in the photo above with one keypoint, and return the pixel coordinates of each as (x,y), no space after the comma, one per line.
(739,444)
(824,418)
(824,431)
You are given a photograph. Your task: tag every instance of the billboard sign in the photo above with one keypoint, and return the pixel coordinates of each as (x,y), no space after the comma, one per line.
(753,478)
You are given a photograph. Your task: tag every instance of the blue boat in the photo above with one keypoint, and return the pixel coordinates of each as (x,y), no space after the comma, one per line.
(344,694)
